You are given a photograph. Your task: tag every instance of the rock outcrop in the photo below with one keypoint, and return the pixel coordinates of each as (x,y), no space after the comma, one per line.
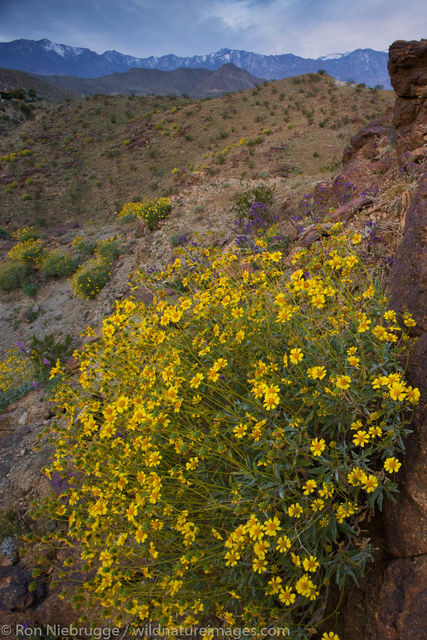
(401,614)
(407,519)
(391,602)
(407,67)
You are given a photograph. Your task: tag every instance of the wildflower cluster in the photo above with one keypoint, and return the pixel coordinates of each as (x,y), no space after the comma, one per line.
(220,155)
(252,224)
(150,211)
(11,157)
(222,447)
(108,249)
(94,274)
(91,277)
(253,215)
(14,370)
(129,211)
(29,251)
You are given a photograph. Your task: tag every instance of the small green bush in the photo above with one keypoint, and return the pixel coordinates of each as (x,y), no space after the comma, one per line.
(9,521)
(58,264)
(260,193)
(15,376)
(128,217)
(178,239)
(108,249)
(91,277)
(12,274)
(84,245)
(29,288)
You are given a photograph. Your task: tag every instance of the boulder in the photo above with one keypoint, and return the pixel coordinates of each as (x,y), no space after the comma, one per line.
(9,551)
(347,211)
(15,593)
(407,66)
(367,134)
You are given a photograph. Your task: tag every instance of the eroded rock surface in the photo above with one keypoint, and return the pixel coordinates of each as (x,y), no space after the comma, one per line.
(407,67)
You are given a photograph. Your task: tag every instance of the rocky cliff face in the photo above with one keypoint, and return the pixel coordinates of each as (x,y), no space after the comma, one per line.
(391,603)
(407,67)
(401,613)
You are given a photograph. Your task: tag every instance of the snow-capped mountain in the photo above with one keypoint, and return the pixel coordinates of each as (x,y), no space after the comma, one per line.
(44,57)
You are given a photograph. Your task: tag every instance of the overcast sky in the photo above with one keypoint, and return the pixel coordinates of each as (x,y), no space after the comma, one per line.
(309,28)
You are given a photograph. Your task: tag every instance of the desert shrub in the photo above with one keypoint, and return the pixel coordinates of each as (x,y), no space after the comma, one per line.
(253,213)
(44,353)
(260,193)
(150,211)
(273,240)
(108,249)
(26,233)
(15,377)
(12,274)
(30,288)
(26,367)
(28,252)
(91,277)
(56,264)
(222,450)
(252,142)
(251,224)
(84,245)
(178,239)
(130,211)
(14,369)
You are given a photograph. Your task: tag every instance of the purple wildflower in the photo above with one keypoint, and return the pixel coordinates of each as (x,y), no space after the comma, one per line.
(21,347)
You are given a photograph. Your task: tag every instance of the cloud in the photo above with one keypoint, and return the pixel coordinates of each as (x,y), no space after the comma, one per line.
(310,28)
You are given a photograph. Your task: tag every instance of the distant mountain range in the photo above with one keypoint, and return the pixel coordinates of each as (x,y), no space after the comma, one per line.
(196,83)
(44,57)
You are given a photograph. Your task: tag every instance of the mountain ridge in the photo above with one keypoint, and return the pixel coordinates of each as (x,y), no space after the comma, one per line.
(44,57)
(193,82)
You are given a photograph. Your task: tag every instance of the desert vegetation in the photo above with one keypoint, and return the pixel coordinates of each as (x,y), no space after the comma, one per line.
(210,321)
